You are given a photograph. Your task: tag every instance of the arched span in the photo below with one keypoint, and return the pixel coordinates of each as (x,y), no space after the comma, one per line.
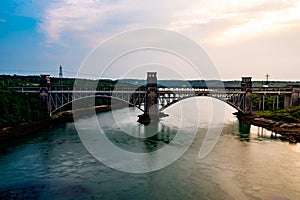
(92,96)
(229,103)
(187,97)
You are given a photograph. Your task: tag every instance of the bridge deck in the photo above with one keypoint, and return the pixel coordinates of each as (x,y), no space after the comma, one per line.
(162,90)
(57,97)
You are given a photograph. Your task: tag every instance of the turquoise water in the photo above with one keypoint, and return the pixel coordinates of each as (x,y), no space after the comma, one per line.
(56,165)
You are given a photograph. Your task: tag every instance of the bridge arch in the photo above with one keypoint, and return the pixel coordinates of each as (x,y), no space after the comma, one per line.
(193,96)
(93,96)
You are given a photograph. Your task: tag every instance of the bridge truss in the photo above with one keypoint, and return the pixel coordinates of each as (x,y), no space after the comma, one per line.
(58,96)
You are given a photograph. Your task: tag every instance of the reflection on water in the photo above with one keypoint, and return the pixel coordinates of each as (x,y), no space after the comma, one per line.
(244,131)
(144,140)
(242,165)
(249,132)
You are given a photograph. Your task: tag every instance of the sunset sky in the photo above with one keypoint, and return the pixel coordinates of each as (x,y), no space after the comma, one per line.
(242,37)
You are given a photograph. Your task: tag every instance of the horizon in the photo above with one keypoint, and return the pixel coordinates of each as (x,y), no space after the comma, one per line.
(107,78)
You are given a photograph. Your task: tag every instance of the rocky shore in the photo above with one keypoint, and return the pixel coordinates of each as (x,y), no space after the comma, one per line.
(31,128)
(290,131)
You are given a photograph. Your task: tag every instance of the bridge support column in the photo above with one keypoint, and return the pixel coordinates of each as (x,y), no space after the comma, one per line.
(295,96)
(287,101)
(151,101)
(293,99)
(263,102)
(248,102)
(246,86)
(44,88)
(151,106)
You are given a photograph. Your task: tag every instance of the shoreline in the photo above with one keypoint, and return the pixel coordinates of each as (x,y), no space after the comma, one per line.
(290,131)
(32,128)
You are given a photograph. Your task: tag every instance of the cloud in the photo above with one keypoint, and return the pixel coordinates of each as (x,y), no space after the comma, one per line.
(90,21)
(238,19)
(274,54)
(2,20)
(263,23)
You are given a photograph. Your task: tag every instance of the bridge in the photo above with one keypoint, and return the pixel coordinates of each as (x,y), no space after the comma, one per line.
(153,98)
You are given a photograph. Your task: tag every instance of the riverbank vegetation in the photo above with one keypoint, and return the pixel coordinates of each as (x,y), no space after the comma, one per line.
(16,108)
(290,115)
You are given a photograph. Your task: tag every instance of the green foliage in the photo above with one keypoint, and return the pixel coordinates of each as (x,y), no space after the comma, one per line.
(270,101)
(285,115)
(16,108)
(102,101)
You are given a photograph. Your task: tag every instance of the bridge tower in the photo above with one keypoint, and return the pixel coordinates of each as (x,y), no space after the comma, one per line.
(44,89)
(246,86)
(151,100)
(151,107)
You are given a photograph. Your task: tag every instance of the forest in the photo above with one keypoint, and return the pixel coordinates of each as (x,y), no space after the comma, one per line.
(16,108)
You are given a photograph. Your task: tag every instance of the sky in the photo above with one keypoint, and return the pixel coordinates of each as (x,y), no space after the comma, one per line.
(241,37)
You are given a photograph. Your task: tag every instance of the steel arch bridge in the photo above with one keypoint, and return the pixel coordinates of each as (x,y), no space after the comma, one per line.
(58,97)
(165,96)
(153,99)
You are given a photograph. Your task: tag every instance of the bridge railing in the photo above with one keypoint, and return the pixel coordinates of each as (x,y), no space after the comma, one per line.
(26,89)
(272,88)
(80,88)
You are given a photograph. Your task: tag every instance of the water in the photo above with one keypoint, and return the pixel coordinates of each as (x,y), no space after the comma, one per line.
(56,165)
